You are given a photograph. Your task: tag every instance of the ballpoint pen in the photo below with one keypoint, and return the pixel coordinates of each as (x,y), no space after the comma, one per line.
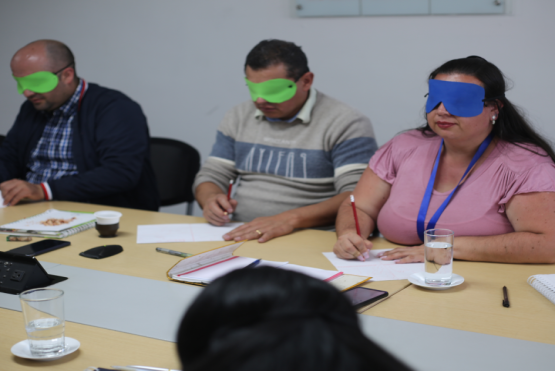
(365,255)
(506,303)
(141,368)
(229,189)
(172,252)
(152,368)
(253,264)
(355,214)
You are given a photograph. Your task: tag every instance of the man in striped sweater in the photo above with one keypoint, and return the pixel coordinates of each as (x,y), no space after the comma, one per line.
(298,152)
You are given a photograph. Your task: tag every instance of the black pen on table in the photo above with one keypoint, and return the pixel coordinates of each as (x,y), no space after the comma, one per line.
(173,252)
(505,298)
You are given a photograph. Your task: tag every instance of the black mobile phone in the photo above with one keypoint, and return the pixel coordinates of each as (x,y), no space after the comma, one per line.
(37,248)
(361,296)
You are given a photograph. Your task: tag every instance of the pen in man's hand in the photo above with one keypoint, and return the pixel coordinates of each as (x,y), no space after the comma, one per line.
(505,298)
(229,189)
(172,252)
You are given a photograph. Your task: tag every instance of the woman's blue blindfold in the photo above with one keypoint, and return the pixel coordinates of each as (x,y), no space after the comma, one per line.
(459,98)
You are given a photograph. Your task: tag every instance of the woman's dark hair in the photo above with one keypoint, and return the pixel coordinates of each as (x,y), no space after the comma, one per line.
(272,319)
(268,53)
(510,125)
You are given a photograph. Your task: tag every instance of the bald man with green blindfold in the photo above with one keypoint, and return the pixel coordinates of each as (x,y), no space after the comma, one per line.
(293,153)
(73,140)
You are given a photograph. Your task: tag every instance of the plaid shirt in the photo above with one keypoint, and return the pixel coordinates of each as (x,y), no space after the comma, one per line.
(53,157)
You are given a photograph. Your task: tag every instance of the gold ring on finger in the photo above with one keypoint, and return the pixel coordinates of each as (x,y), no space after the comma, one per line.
(259,233)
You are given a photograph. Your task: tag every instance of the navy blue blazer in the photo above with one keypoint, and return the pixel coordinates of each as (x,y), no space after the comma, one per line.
(111,148)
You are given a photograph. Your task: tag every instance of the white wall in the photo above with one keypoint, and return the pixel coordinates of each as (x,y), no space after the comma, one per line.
(182,60)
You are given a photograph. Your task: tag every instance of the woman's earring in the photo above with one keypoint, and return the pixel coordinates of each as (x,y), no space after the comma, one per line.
(493,119)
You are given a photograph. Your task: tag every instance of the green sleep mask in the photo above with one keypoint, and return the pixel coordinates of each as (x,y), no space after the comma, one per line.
(38,82)
(272,91)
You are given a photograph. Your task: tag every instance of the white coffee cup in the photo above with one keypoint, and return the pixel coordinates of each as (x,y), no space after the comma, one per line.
(107,217)
(107,222)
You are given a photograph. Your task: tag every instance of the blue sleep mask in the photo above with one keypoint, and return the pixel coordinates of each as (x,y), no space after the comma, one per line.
(459,98)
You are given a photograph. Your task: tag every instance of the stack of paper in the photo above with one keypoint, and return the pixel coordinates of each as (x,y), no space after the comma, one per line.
(205,267)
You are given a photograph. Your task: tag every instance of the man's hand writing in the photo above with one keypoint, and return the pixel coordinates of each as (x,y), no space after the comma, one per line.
(217,209)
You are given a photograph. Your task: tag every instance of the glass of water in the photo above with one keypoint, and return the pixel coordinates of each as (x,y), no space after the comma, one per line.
(438,256)
(43,310)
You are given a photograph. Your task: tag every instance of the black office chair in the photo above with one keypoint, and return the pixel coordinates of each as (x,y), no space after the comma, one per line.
(175,164)
(2,137)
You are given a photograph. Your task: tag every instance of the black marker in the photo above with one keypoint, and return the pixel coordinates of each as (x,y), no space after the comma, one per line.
(505,298)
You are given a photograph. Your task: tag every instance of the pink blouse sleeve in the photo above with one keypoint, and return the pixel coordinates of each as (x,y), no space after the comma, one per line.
(383,163)
(540,178)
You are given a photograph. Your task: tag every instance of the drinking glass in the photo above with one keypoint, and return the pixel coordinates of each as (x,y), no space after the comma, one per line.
(43,311)
(438,256)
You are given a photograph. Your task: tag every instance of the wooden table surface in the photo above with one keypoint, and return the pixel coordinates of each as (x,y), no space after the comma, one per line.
(476,305)
(473,306)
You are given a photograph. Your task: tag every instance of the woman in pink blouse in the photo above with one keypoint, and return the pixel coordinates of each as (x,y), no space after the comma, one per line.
(502,210)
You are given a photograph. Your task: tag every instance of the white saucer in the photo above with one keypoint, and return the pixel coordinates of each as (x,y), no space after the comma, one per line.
(22,350)
(418,280)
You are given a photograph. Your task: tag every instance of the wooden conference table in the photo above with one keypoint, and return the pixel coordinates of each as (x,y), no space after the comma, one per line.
(473,306)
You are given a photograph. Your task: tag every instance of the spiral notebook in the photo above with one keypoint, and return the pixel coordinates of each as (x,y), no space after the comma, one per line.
(52,223)
(545,284)
(203,268)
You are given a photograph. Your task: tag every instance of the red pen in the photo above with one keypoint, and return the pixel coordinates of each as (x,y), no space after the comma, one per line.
(229,189)
(355,214)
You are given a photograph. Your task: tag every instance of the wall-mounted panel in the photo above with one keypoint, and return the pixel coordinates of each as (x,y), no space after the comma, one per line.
(338,8)
(395,7)
(467,6)
(328,8)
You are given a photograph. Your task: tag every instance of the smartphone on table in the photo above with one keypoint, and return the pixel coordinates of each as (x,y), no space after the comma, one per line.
(362,296)
(40,247)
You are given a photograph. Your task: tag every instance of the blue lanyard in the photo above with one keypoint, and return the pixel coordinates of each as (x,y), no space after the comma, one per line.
(428,194)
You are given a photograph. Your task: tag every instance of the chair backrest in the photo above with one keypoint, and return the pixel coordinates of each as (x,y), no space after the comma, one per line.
(2,137)
(175,164)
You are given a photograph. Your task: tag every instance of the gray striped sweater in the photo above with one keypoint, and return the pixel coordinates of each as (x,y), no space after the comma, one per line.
(283,166)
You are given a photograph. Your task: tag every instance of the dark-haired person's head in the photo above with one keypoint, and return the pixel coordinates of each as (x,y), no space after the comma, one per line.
(45,73)
(507,122)
(268,67)
(272,319)
(268,53)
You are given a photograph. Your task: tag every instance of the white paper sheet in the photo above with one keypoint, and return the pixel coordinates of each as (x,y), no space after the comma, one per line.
(163,233)
(1,201)
(379,270)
